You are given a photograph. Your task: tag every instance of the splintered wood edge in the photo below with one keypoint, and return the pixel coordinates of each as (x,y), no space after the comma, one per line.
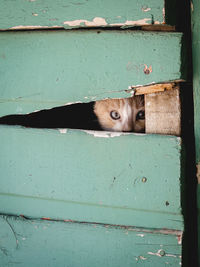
(158,27)
(154,88)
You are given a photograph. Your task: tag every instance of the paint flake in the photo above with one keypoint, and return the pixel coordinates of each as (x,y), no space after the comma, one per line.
(62,131)
(32,27)
(104,134)
(141,235)
(98,21)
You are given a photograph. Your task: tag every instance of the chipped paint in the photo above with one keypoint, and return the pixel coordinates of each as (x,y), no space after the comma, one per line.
(198,172)
(33,27)
(161,253)
(63,131)
(145,21)
(146,9)
(179,238)
(192,6)
(98,21)
(141,235)
(142,258)
(163,12)
(104,134)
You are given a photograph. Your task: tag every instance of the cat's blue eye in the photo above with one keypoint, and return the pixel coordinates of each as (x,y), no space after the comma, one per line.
(140,115)
(114,115)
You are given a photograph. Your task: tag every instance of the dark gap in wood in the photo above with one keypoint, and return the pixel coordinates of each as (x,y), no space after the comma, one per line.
(95,115)
(74,116)
(157,28)
(178,233)
(189,181)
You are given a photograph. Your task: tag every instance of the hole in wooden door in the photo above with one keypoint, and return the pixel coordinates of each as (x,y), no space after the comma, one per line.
(121,115)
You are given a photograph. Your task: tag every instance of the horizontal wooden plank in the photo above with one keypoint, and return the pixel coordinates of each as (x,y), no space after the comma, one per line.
(91,13)
(47,243)
(153,88)
(45,69)
(127,180)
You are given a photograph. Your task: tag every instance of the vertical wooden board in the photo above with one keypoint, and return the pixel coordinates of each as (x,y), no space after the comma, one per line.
(163,112)
(90,13)
(195,11)
(46,243)
(196,73)
(42,69)
(110,179)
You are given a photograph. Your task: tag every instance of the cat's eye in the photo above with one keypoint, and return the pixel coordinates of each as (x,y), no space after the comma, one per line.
(114,115)
(140,115)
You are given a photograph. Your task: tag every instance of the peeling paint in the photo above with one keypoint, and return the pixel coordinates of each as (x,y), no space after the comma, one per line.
(161,253)
(198,172)
(163,12)
(179,238)
(146,9)
(145,21)
(141,235)
(98,21)
(142,258)
(104,134)
(155,253)
(62,131)
(192,6)
(171,255)
(33,27)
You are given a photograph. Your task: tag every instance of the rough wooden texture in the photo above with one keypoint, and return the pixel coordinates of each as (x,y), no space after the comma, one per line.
(43,69)
(196,73)
(195,11)
(94,176)
(163,112)
(46,243)
(152,88)
(91,13)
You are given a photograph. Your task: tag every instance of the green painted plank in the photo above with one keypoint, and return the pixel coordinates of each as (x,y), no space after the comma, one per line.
(127,180)
(45,69)
(46,243)
(62,13)
(195,11)
(196,73)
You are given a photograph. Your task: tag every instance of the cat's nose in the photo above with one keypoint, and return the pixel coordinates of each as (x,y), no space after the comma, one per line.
(127,129)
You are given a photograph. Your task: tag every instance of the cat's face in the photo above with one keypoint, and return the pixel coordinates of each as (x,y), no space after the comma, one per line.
(121,115)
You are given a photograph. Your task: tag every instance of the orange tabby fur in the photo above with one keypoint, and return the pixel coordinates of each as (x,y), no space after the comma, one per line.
(127,108)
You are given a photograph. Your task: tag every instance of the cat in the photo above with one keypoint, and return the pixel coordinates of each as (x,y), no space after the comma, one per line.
(123,115)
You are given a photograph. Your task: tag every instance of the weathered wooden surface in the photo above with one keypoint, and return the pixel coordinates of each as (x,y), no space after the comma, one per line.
(163,112)
(50,68)
(91,13)
(46,243)
(196,74)
(153,88)
(113,179)
(195,11)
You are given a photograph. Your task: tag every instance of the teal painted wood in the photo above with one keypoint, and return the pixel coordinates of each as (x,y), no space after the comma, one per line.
(127,180)
(47,243)
(196,73)
(62,13)
(195,11)
(50,68)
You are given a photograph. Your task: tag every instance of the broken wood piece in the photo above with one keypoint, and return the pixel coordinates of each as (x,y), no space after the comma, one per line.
(153,88)
(163,112)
